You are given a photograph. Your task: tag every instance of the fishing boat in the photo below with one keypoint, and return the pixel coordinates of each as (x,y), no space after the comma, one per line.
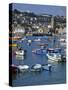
(46,67)
(29,42)
(19,52)
(40,51)
(54,57)
(36,67)
(23,68)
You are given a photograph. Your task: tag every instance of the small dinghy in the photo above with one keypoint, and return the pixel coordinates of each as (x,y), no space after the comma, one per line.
(19,52)
(62,40)
(37,40)
(29,42)
(40,51)
(54,57)
(36,67)
(23,68)
(46,67)
(24,38)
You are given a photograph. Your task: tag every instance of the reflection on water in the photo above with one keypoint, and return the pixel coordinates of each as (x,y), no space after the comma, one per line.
(19,57)
(14,74)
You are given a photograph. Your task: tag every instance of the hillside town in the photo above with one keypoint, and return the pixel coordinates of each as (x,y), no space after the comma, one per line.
(29,23)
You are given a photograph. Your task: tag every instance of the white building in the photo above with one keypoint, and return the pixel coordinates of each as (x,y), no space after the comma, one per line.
(19,30)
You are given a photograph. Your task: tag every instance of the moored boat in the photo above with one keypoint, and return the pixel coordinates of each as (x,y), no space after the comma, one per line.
(37,40)
(36,67)
(19,52)
(29,42)
(56,57)
(23,68)
(24,38)
(40,51)
(46,67)
(62,40)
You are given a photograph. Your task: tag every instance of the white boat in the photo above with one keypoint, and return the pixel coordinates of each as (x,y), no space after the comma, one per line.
(19,52)
(46,67)
(23,39)
(29,41)
(62,40)
(37,40)
(23,68)
(54,57)
(36,67)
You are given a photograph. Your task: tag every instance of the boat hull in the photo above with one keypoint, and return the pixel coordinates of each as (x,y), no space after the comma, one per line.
(54,58)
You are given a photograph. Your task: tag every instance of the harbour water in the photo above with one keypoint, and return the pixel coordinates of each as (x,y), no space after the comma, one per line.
(56,76)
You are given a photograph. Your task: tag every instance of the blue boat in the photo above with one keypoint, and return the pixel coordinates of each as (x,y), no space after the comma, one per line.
(54,50)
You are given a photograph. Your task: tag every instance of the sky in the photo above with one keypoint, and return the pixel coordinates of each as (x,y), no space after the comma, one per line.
(41,9)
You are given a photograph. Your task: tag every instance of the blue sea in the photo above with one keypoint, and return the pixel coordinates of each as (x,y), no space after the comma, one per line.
(56,76)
